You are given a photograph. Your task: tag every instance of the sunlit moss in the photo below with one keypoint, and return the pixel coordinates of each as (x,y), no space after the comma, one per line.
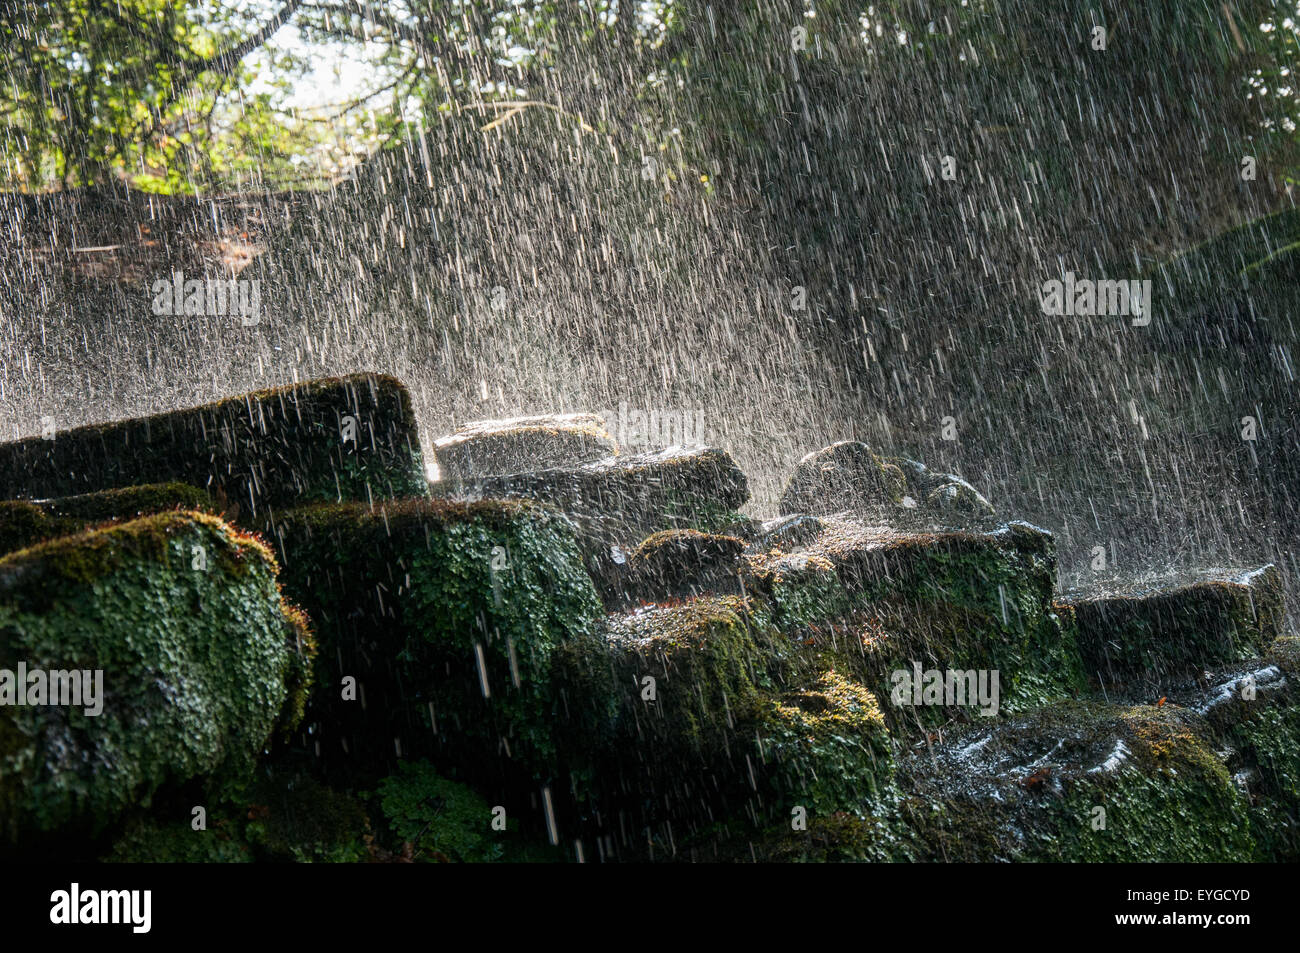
(201,660)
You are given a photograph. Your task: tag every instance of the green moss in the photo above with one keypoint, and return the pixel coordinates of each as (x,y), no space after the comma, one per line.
(953,600)
(801,590)
(838,837)
(1032,790)
(873,602)
(722,715)
(291,816)
(710,659)
(826,747)
(281,816)
(820,766)
(87,556)
(407,602)
(842,836)
(442,821)
(150,842)
(1268,743)
(1284,652)
(129,502)
(1260,732)
(198,667)
(24,523)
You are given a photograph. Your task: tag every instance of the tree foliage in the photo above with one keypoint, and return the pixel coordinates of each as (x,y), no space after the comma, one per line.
(181,95)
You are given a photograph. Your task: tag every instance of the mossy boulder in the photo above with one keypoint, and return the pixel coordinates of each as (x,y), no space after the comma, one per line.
(960,501)
(881,601)
(615,502)
(720,715)
(1265,746)
(348,438)
(282,815)
(844,477)
(827,745)
(1076,782)
(802,591)
(786,533)
(520,444)
(709,660)
(201,662)
(447,618)
(1145,636)
(1251,712)
(626,497)
(24,523)
(675,564)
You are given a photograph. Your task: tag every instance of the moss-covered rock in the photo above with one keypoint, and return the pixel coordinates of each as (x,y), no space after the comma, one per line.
(786,533)
(521,444)
(881,601)
(827,746)
(447,617)
(1251,713)
(1266,748)
(629,496)
(349,438)
(960,501)
(24,523)
(1076,782)
(721,715)
(709,660)
(1143,637)
(201,661)
(282,815)
(432,819)
(673,565)
(802,590)
(846,476)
